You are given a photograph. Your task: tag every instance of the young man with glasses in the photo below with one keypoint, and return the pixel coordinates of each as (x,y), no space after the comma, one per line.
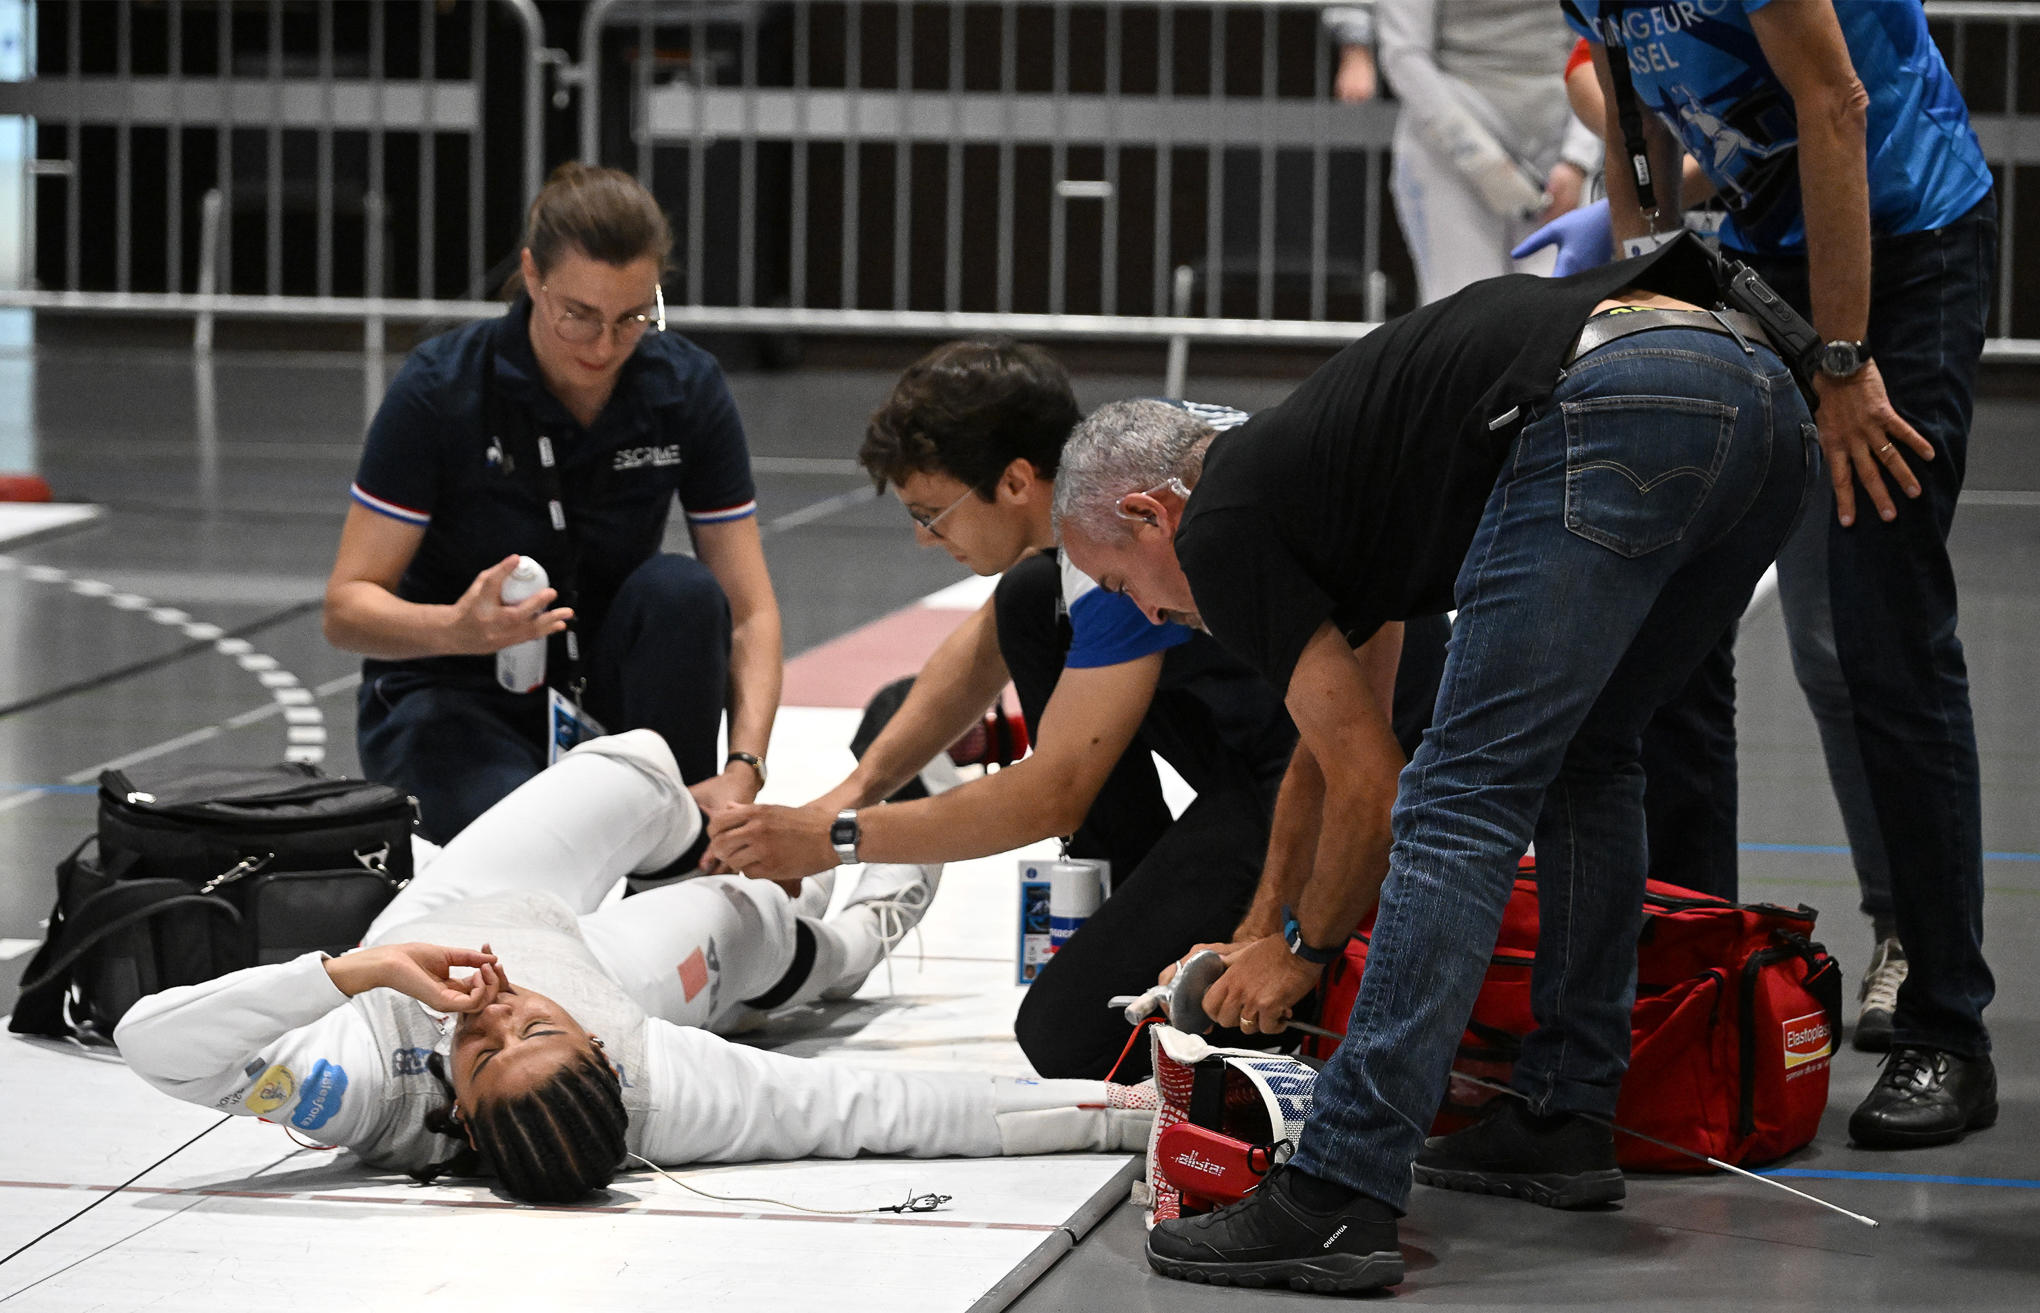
(970,441)
(561,431)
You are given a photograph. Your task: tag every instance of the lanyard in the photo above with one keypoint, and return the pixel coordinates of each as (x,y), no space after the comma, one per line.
(535,450)
(1626,111)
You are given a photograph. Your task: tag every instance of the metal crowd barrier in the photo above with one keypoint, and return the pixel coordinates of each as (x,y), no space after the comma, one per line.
(1140,169)
(259,159)
(864,119)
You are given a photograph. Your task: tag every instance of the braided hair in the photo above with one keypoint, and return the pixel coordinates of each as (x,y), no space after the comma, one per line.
(555,1143)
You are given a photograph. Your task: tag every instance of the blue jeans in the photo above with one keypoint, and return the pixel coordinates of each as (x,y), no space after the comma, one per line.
(660,661)
(1892,700)
(1630,523)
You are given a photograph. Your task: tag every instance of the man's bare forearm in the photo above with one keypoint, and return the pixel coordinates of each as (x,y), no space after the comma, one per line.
(961,679)
(1832,167)
(1352,858)
(1292,846)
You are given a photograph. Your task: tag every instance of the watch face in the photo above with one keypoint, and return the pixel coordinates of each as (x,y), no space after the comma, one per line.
(1840,359)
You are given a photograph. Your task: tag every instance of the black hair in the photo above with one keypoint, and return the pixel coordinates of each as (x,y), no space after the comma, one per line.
(969,409)
(555,1143)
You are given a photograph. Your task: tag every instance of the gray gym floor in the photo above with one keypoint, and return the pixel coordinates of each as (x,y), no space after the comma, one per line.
(233,522)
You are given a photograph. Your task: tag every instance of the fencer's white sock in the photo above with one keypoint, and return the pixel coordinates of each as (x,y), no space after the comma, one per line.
(1071,1116)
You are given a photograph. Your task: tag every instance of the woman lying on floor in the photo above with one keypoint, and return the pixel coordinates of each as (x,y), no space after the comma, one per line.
(583,1035)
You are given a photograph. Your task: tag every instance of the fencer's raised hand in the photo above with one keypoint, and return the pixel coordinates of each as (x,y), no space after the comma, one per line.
(1263,982)
(1585,239)
(480,624)
(1862,436)
(772,843)
(420,971)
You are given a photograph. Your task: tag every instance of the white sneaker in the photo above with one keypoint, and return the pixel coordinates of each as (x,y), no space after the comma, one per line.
(1877,996)
(891,899)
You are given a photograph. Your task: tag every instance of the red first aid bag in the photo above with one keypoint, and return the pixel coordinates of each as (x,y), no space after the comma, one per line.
(1736,1015)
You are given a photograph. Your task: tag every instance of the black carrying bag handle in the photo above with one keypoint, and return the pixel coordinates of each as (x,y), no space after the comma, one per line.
(122,905)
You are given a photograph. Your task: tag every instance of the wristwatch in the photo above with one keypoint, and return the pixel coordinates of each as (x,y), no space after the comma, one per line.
(844,835)
(1842,358)
(751,759)
(1293,932)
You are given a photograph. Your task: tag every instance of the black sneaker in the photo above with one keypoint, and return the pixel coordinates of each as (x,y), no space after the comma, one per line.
(1560,1161)
(1925,1096)
(1270,1239)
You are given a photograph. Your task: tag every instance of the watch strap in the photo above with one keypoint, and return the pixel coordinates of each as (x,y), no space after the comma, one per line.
(844,835)
(1292,932)
(751,759)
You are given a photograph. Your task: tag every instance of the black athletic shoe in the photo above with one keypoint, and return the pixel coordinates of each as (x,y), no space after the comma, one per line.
(1925,1096)
(1560,1161)
(1269,1239)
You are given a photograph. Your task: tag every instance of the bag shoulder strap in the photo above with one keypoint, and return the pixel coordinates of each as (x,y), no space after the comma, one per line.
(126,904)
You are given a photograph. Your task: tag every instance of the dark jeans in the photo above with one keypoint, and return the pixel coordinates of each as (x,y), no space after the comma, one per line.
(1584,604)
(1889,609)
(1689,773)
(660,661)
(1178,882)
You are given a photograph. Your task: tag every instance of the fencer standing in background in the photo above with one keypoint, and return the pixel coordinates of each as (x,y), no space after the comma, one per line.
(1486,146)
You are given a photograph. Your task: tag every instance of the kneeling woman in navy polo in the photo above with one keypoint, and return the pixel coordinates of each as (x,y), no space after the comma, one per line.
(561,432)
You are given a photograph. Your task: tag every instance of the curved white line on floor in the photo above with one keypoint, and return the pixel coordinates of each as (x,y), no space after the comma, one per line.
(305,729)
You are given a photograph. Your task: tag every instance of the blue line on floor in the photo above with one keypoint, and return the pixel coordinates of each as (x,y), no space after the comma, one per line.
(1813,1174)
(1841,850)
(48,788)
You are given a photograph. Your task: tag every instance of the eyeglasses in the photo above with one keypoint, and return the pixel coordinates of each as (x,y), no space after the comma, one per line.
(581,329)
(929,522)
(1170,484)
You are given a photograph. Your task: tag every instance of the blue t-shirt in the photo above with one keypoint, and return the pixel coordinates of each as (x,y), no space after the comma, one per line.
(1698,65)
(669,427)
(1107,629)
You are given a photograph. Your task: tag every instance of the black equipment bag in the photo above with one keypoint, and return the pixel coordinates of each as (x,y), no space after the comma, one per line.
(196,872)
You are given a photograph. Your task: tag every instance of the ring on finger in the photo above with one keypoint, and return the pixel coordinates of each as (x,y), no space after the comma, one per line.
(1885,448)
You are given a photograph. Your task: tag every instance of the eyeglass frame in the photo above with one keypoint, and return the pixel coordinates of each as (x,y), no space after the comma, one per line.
(1170,484)
(928,523)
(651,323)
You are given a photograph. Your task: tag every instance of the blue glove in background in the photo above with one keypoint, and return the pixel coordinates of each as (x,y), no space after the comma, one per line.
(1585,237)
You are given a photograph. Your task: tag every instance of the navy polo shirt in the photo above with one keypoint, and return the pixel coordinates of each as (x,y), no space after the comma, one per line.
(670,427)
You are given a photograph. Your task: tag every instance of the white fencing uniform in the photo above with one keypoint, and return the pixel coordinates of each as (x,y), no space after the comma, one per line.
(282,1042)
(1483,115)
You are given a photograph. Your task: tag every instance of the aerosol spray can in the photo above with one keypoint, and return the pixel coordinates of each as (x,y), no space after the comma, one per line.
(1056,897)
(521,667)
(1076,886)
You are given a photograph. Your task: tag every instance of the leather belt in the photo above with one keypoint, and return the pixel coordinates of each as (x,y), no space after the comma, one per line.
(1605,328)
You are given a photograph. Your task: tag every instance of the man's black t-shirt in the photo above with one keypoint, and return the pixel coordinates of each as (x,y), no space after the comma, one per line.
(1355,499)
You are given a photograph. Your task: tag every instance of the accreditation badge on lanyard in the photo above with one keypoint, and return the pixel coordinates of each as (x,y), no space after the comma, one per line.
(567,725)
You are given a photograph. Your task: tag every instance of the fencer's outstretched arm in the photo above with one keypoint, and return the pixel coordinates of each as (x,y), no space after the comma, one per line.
(716,1101)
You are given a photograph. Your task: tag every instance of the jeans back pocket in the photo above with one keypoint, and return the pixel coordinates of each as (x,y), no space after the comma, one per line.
(1639,468)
